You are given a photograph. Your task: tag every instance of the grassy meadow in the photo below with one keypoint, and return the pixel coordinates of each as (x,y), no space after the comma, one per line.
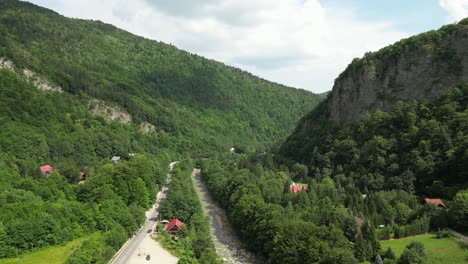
(439,250)
(50,255)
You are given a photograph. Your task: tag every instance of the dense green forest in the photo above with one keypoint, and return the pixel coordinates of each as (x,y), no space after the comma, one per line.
(363,179)
(202,101)
(182,202)
(52,128)
(394,158)
(196,107)
(55,128)
(420,146)
(367,171)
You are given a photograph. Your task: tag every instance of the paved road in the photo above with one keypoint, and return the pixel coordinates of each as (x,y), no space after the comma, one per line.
(123,255)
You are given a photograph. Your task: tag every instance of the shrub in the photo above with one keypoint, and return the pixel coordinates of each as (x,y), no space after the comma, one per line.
(443,234)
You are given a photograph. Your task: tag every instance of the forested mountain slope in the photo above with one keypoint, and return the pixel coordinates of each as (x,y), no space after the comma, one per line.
(422,134)
(418,67)
(55,128)
(354,178)
(75,93)
(344,179)
(177,92)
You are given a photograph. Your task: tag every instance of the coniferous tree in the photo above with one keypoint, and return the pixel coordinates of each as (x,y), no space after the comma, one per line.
(362,249)
(378,260)
(414,253)
(3,244)
(368,233)
(389,254)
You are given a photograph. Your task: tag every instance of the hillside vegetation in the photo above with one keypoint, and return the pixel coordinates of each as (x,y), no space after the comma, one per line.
(53,128)
(359,177)
(75,93)
(420,146)
(439,250)
(419,67)
(179,93)
(365,173)
(415,140)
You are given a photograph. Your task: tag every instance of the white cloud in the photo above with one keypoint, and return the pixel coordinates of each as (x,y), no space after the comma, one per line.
(456,9)
(300,43)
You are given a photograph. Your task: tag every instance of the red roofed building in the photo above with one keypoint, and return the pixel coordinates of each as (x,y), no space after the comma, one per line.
(359,221)
(437,202)
(295,188)
(82,176)
(174,226)
(46,169)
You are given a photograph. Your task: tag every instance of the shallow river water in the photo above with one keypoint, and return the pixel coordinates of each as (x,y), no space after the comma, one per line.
(226,242)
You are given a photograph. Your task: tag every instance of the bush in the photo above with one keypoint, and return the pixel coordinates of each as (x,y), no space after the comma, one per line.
(384,233)
(413,254)
(443,234)
(389,254)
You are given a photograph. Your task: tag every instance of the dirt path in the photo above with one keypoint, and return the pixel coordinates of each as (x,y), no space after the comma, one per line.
(226,242)
(455,233)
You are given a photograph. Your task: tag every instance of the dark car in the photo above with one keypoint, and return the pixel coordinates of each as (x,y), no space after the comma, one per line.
(148,257)
(149,230)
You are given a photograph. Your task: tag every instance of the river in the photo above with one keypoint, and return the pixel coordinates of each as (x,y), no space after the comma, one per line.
(225,240)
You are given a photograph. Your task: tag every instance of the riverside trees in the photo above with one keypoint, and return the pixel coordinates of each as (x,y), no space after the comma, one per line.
(368,170)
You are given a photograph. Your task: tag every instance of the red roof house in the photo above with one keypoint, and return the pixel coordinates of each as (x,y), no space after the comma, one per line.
(174,226)
(359,221)
(46,169)
(437,202)
(295,188)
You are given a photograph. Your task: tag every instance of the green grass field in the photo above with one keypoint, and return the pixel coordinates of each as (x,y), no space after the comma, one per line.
(449,250)
(50,255)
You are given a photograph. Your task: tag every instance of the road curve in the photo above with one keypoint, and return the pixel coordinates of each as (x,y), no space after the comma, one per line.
(126,251)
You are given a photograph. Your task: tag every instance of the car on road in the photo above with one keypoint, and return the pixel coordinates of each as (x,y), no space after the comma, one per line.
(149,230)
(148,257)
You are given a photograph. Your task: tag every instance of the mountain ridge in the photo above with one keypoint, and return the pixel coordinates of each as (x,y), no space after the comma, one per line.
(418,67)
(394,115)
(107,111)
(148,78)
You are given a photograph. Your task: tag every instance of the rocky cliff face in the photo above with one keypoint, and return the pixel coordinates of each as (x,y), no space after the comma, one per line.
(419,67)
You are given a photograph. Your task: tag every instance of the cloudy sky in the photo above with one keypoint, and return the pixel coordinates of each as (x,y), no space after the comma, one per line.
(301,43)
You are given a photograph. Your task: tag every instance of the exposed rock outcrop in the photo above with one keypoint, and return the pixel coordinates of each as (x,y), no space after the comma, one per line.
(6,64)
(41,83)
(147,128)
(110,113)
(31,76)
(414,68)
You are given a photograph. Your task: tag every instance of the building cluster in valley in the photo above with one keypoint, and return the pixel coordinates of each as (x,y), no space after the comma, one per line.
(47,169)
(437,202)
